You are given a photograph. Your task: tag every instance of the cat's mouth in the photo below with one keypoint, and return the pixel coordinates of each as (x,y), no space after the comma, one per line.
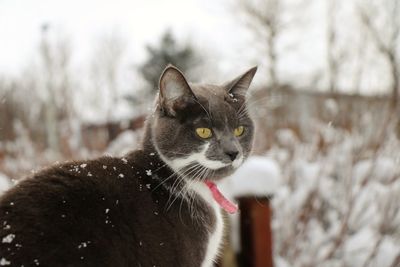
(217,165)
(217,170)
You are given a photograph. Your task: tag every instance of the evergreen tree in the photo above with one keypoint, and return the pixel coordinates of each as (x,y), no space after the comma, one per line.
(168,52)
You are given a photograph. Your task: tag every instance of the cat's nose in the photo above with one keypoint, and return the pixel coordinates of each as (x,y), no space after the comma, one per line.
(232,154)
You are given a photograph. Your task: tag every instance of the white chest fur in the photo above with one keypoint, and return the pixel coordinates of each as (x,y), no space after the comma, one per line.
(215,237)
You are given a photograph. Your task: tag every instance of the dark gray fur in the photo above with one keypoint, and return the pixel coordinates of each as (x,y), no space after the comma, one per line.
(119,211)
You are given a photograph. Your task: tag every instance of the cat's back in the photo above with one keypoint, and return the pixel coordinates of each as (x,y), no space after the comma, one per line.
(77,213)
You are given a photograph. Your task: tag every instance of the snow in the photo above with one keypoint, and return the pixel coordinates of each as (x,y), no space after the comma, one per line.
(331,106)
(358,245)
(5,183)
(286,137)
(365,208)
(83,244)
(382,169)
(8,238)
(335,207)
(125,142)
(387,252)
(4,262)
(258,176)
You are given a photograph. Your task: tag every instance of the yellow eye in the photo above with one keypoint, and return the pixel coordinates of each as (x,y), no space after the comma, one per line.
(238,131)
(204,132)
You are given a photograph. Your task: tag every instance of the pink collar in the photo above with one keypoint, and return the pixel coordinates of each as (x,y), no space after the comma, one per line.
(221,200)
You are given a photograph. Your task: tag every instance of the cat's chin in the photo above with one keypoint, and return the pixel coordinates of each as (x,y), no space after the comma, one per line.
(221,173)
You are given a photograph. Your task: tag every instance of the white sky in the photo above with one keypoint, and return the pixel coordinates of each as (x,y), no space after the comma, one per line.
(139,22)
(210,24)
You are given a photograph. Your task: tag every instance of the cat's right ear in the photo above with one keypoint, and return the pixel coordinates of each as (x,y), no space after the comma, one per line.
(175,92)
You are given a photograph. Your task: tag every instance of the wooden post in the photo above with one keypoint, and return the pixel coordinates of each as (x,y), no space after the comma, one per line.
(255,232)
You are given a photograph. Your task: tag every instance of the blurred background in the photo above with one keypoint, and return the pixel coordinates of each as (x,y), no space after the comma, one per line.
(77,79)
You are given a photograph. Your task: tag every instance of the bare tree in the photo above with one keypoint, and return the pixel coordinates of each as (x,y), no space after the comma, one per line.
(50,103)
(386,37)
(362,47)
(264,20)
(332,60)
(54,67)
(107,60)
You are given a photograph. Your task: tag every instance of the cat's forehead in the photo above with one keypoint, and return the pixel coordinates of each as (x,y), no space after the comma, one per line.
(209,91)
(216,100)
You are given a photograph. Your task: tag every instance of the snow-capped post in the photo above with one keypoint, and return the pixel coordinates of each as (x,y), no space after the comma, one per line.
(253,185)
(255,232)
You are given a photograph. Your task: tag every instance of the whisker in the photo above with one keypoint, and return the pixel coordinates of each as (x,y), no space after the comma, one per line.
(164,181)
(191,194)
(187,193)
(181,179)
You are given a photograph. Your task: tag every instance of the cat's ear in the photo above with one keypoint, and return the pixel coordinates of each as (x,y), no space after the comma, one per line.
(175,92)
(238,86)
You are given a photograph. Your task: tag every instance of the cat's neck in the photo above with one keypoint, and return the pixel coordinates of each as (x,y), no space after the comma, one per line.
(148,147)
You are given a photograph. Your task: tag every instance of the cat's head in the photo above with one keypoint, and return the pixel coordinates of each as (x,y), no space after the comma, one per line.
(202,131)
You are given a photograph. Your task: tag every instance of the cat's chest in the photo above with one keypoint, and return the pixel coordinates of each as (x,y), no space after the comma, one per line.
(215,233)
(197,226)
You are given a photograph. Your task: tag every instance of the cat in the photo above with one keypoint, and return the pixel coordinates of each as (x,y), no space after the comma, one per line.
(157,206)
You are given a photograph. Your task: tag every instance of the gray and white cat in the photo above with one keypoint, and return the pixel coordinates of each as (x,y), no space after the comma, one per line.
(158,206)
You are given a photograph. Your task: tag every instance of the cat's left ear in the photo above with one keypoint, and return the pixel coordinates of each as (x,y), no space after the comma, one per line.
(175,92)
(238,86)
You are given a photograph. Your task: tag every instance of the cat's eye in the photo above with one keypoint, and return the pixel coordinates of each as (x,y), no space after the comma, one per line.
(204,132)
(238,131)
